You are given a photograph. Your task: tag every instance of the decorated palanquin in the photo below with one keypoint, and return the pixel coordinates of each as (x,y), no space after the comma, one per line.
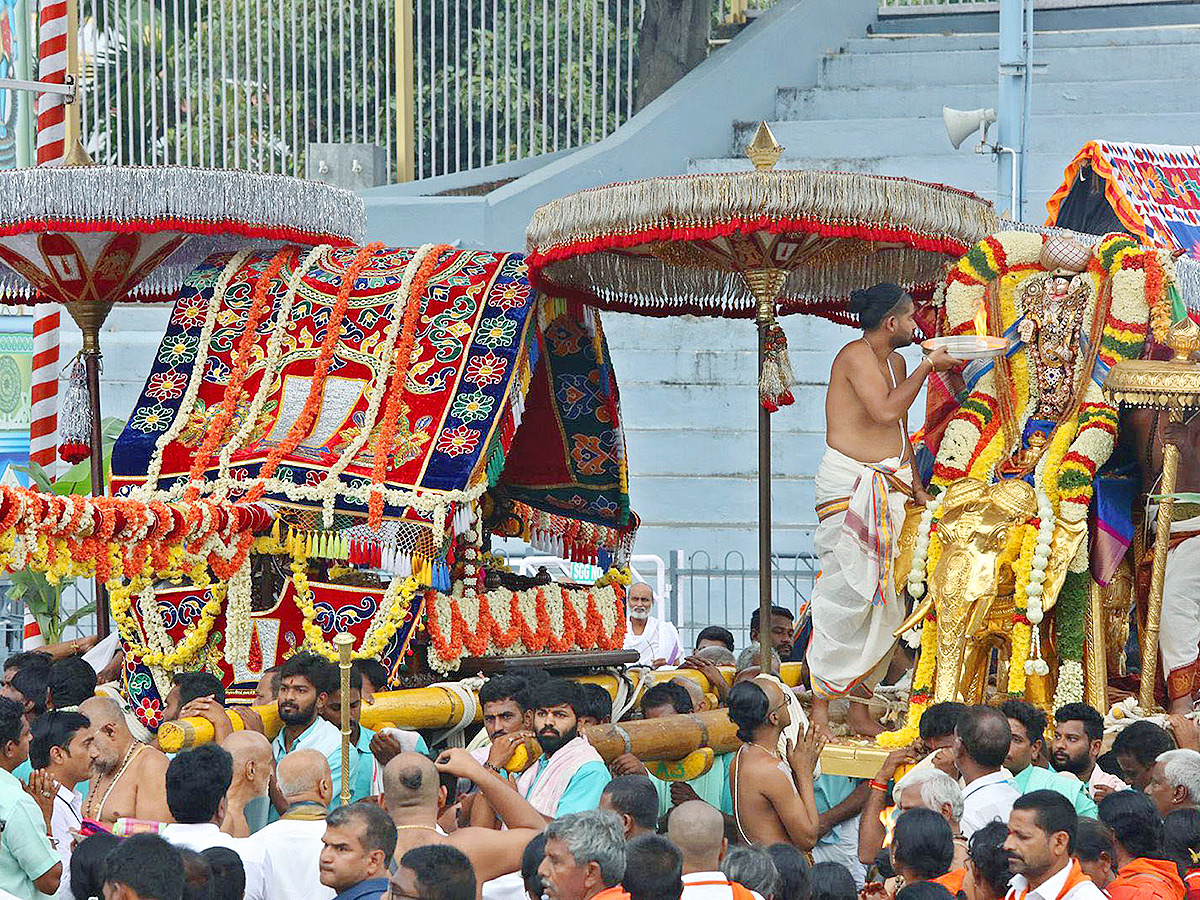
(391,408)
(1005,555)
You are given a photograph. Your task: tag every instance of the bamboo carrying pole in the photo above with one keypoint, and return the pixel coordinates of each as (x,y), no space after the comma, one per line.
(413,708)
(345,643)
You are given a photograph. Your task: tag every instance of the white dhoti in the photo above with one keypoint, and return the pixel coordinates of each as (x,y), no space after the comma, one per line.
(855,609)
(1179,630)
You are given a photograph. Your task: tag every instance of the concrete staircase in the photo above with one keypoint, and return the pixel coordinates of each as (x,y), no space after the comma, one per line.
(877,104)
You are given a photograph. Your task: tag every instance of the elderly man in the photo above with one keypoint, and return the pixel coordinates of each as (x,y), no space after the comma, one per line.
(1175,781)
(655,640)
(983,741)
(293,843)
(926,788)
(585,857)
(246,801)
(698,830)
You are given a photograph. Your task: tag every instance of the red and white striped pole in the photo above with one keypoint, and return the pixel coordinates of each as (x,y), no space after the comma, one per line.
(53,58)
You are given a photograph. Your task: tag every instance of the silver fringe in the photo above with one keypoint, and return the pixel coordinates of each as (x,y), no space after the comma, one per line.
(103,194)
(700,201)
(125,193)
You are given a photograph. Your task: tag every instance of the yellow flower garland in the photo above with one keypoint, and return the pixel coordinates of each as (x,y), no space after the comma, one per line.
(396,600)
(1022,633)
(196,637)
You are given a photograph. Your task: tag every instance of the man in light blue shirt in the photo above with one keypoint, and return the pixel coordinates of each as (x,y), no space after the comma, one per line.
(569,776)
(305,684)
(29,865)
(1028,725)
(364,776)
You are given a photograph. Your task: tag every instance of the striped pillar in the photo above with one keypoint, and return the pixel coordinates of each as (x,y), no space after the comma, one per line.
(43,421)
(53,18)
(52,67)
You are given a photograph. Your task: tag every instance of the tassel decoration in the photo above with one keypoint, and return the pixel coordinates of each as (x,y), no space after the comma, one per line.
(75,420)
(776,379)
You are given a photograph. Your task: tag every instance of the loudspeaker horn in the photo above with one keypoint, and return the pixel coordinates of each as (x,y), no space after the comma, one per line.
(962,123)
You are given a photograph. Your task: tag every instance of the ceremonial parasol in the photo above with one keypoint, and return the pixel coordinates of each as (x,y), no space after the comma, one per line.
(90,236)
(1172,385)
(751,244)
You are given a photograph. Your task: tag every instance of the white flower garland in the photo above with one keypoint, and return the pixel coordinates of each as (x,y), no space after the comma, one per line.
(1035,665)
(917,574)
(1070,683)
(270,363)
(378,384)
(148,487)
(238,619)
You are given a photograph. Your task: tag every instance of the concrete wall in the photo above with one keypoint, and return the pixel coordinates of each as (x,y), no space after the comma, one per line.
(692,119)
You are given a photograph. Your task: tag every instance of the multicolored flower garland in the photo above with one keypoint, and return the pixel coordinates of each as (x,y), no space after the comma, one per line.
(551,618)
(1129,292)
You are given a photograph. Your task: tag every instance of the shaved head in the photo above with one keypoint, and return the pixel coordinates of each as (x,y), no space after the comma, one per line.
(699,701)
(102,711)
(246,746)
(410,780)
(698,830)
(300,772)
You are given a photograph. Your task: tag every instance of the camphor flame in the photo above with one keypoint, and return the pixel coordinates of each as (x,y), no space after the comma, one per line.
(981,322)
(888,819)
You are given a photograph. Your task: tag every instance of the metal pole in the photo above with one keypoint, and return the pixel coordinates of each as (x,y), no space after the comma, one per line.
(344,642)
(404,90)
(1162,539)
(1026,107)
(1010,104)
(91,362)
(764,506)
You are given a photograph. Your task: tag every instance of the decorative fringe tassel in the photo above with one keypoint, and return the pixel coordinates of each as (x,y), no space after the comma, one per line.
(75,418)
(776,379)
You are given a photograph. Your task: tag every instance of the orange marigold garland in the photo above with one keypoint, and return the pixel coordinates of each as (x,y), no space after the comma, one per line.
(333,331)
(583,625)
(260,306)
(400,370)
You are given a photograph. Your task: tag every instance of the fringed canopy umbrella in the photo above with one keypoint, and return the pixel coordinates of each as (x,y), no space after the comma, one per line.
(751,244)
(90,236)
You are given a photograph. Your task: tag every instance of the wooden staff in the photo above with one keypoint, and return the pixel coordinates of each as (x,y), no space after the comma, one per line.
(344,643)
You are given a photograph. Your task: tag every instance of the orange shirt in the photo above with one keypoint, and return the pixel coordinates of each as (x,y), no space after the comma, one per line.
(952,880)
(1147,879)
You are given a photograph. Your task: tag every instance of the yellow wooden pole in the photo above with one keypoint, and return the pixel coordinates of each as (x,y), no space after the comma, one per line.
(405,99)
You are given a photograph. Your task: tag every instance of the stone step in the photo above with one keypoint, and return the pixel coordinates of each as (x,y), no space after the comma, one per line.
(677,451)
(1092,98)
(959,67)
(671,499)
(693,404)
(1062,134)
(1163,35)
(688,365)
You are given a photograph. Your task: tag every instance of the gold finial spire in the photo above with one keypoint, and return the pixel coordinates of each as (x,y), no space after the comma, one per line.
(764,150)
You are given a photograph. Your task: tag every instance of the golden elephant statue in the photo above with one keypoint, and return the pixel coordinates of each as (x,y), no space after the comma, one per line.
(971,588)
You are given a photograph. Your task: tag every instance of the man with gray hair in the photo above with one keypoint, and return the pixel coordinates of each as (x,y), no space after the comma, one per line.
(293,843)
(926,788)
(655,640)
(585,857)
(753,869)
(1175,781)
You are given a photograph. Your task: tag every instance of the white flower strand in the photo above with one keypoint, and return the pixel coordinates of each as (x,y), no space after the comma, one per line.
(1035,665)
(920,558)
(147,487)
(238,620)
(271,362)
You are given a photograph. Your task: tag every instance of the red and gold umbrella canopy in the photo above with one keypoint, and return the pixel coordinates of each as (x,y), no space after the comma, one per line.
(751,244)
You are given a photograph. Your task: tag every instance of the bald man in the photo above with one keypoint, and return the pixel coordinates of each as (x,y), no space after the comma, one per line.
(413,797)
(246,800)
(698,831)
(293,843)
(129,779)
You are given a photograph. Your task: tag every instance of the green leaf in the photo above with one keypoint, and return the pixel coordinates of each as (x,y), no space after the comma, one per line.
(79,614)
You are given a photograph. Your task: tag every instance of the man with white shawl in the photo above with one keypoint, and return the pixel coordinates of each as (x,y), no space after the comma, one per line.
(655,640)
(570,775)
(861,487)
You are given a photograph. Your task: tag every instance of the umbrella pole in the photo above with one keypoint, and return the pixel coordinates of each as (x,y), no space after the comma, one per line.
(766,284)
(91,363)
(89,315)
(764,510)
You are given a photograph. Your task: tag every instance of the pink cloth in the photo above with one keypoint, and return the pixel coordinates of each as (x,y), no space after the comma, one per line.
(544,792)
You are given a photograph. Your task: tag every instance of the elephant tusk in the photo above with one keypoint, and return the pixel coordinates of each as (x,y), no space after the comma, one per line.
(920,611)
